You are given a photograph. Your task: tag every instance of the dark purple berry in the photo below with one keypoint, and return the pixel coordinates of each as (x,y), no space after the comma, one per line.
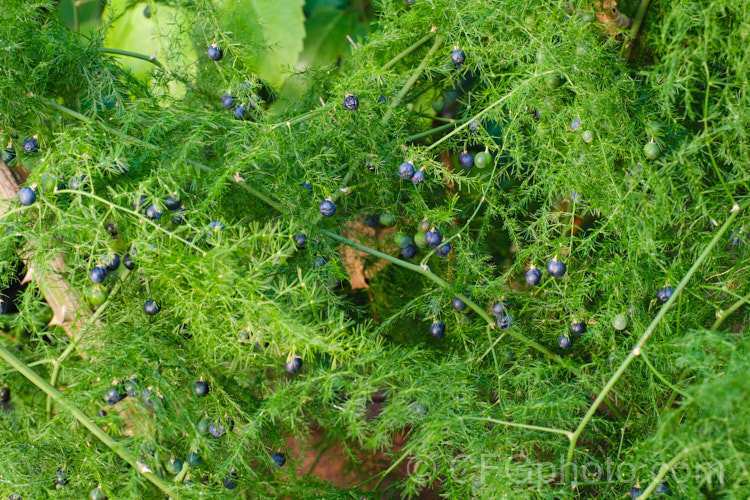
(499,307)
(372,220)
(227,101)
(504,321)
(577,328)
(466,160)
(239,112)
(293,365)
(533,276)
(406,170)
(437,329)
(300,240)
(113,263)
(151,308)
(278,459)
(30,145)
(8,155)
(98,274)
(172,203)
(351,102)
(26,196)
(200,388)
(131,387)
(128,262)
(230,481)
(635,493)
(4,395)
(664,293)
(418,177)
(443,250)
(214,52)
(564,341)
(433,238)
(458,57)
(153,213)
(556,267)
(327,208)
(458,304)
(474,127)
(409,251)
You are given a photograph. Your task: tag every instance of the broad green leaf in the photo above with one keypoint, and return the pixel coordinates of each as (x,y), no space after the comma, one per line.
(273,29)
(159,35)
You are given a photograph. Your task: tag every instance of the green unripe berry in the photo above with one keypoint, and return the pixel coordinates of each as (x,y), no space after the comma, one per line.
(203,426)
(438,104)
(402,240)
(48,183)
(620,321)
(387,220)
(96,296)
(419,240)
(554,82)
(588,136)
(582,50)
(651,150)
(482,159)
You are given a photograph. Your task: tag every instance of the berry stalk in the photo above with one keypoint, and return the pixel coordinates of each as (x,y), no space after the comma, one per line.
(646,334)
(411,48)
(97,431)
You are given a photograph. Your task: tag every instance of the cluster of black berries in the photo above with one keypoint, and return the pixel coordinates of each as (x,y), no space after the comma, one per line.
(407,172)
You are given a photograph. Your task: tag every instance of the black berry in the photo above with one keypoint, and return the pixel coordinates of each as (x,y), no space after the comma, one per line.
(98,274)
(319,262)
(171,203)
(278,459)
(26,196)
(564,341)
(300,240)
(151,308)
(8,155)
(113,263)
(664,293)
(458,57)
(418,177)
(406,170)
(499,307)
(239,112)
(327,208)
(114,395)
(443,250)
(458,304)
(227,101)
(372,220)
(466,160)
(351,102)
(474,127)
(504,321)
(131,387)
(214,52)
(437,329)
(128,262)
(577,328)
(153,213)
(218,429)
(556,267)
(200,388)
(293,365)
(4,394)
(230,481)
(533,276)
(178,217)
(30,145)
(433,238)
(409,251)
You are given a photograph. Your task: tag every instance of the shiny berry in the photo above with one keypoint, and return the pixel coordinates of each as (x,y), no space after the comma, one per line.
(98,274)
(97,494)
(483,159)
(30,145)
(8,155)
(173,466)
(218,429)
(402,240)
(466,160)
(96,296)
(533,276)
(620,322)
(433,238)
(306,186)
(128,262)
(564,341)
(458,57)
(587,136)
(499,307)
(635,493)
(201,389)
(300,240)
(504,321)
(131,387)
(327,208)
(214,52)
(577,328)
(556,267)
(443,250)
(409,251)
(278,459)
(151,308)
(458,304)
(351,102)
(418,177)
(474,127)
(114,395)
(419,240)
(113,263)
(172,203)
(230,481)
(423,227)
(437,329)
(293,365)
(239,112)
(664,293)
(4,395)
(153,213)
(227,101)
(406,170)
(652,151)
(26,196)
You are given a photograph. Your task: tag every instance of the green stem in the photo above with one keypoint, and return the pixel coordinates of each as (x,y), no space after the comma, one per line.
(725,314)
(646,334)
(627,48)
(301,118)
(435,130)
(663,472)
(136,215)
(411,48)
(411,81)
(565,433)
(444,284)
(147,145)
(74,340)
(155,62)
(97,431)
